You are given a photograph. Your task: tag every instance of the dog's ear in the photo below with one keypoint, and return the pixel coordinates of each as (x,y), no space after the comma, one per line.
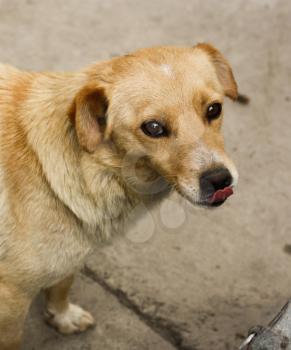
(88,115)
(223,70)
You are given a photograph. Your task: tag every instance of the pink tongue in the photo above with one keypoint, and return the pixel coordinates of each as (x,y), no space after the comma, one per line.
(221,195)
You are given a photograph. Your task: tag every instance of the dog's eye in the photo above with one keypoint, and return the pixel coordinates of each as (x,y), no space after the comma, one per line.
(213,111)
(154,128)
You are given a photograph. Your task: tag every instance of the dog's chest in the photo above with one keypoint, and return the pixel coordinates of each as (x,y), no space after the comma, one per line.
(63,255)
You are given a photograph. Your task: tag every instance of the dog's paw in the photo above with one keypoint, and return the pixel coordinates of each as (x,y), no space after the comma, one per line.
(73,320)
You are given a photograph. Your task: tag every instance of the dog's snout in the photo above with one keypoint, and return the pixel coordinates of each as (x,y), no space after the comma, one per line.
(214,180)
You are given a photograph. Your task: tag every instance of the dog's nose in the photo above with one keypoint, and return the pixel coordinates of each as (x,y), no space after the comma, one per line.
(214,180)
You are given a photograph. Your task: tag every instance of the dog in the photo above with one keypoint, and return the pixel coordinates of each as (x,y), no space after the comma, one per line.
(78,151)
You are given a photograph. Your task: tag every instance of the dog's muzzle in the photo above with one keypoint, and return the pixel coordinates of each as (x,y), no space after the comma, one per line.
(216,186)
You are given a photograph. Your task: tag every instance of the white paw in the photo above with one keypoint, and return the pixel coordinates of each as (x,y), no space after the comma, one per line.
(73,320)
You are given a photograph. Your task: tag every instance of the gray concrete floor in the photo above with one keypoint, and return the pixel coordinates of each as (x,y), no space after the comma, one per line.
(183,278)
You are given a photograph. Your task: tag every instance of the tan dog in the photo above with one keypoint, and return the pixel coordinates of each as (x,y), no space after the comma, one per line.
(79,151)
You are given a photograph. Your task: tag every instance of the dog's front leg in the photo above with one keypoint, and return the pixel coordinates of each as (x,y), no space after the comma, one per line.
(14,305)
(67,318)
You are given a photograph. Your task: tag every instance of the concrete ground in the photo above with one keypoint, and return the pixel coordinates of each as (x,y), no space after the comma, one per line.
(183,278)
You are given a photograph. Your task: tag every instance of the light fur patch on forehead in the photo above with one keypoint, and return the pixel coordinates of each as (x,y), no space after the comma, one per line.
(167,69)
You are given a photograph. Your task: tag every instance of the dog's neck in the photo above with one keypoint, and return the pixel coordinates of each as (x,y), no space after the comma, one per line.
(114,187)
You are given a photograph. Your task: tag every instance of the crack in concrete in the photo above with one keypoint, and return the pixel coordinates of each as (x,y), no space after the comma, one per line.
(163,327)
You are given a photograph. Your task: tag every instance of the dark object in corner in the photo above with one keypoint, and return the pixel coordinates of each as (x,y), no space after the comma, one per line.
(277,336)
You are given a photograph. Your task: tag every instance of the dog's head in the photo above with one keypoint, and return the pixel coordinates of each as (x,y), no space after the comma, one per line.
(160,112)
